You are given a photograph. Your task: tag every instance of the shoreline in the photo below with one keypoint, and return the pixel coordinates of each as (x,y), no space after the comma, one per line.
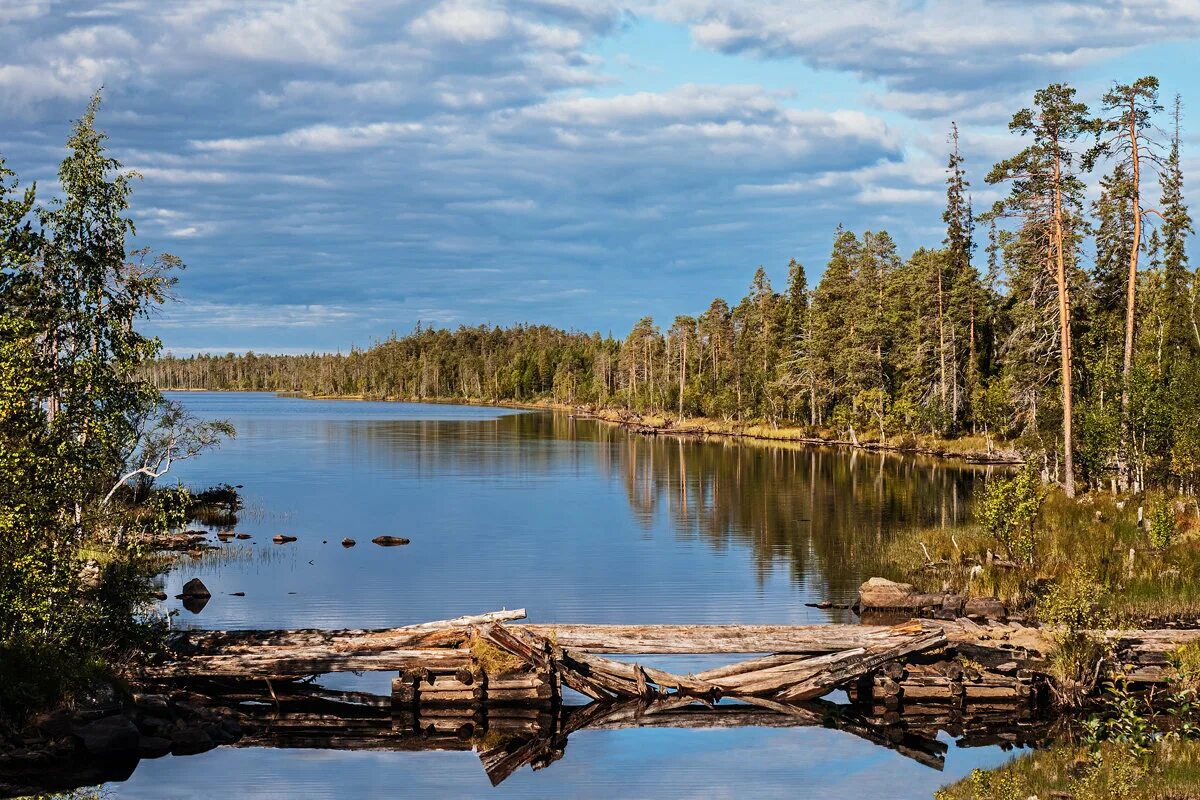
(692,427)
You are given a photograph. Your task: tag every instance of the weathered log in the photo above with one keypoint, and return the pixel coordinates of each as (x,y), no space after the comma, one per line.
(692,639)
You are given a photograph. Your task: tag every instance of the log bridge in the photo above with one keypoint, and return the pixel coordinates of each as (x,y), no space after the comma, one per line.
(489,659)
(503,688)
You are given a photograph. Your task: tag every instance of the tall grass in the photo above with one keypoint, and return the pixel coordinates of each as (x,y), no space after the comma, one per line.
(1098,535)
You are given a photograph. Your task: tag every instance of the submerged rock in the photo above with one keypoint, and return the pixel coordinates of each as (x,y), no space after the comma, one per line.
(110,736)
(194,588)
(189,741)
(389,541)
(153,747)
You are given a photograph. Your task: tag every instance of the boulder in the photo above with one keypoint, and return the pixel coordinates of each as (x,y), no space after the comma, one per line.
(90,576)
(153,746)
(389,541)
(985,607)
(190,741)
(195,588)
(110,736)
(882,593)
(280,538)
(348,542)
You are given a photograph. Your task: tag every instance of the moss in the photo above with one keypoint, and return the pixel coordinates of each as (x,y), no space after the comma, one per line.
(492,659)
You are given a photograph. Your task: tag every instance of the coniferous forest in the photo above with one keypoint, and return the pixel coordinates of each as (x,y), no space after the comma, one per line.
(1065,319)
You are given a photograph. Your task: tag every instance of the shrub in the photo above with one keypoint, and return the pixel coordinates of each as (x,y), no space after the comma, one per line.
(1161,524)
(1008,510)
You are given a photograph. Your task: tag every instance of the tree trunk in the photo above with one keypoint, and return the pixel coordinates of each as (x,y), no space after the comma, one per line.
(1130,302)
(1064,332)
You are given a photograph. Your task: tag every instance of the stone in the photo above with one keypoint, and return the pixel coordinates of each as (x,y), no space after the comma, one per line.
(218,734)
(110,736)
(156,704)
(389,541)
(882,593)
(953,603)
(280,538)
(190,741)
(195,588)
(90,576)
(348,542)
(986,607)
(153,746)
(242,536)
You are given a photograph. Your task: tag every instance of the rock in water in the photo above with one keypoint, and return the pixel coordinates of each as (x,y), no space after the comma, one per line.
(195,588)
(348,542)
(985,607)
(279,538)
(884,594)
(389,541)
(110,736)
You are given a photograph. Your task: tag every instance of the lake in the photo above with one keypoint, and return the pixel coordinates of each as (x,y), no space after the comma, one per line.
(575,520)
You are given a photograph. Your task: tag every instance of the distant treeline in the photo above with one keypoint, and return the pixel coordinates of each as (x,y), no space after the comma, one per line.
(1078,338)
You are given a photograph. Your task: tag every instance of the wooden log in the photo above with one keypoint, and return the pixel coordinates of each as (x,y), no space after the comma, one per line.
(530,682)
(855,664)
(404,691)
(693,639)
(539,693)
(982,692)
(531,649)
(428,695)
(459,712)
(298,662)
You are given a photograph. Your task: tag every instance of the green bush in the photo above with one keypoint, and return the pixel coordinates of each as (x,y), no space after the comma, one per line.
(1008,510)
(1161,524)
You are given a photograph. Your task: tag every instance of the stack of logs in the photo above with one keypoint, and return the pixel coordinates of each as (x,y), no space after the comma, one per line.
(444,699)
(944,689)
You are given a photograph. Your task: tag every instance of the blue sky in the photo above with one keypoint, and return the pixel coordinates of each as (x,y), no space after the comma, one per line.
(332,171)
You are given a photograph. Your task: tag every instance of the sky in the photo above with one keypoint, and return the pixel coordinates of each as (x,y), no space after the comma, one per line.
(334,171)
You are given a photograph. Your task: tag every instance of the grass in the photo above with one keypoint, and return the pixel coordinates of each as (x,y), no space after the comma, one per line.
(492,659)
(1094,535)
(1169,771)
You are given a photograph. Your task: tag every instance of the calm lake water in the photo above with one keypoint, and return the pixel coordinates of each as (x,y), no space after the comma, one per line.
(575,520)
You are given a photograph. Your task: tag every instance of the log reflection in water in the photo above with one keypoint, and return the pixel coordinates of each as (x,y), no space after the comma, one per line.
(508,738)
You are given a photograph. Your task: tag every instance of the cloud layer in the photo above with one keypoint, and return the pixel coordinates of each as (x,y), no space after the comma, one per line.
(333,170)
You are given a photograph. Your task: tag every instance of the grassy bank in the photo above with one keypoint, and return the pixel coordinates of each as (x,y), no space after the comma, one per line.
(1149,571)
(976,449)
(1168,770)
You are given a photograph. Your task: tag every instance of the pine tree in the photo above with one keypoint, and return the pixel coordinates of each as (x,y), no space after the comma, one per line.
(1124,134)
(1046,194)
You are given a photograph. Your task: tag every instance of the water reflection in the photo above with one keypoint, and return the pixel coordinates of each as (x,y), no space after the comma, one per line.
(574,519)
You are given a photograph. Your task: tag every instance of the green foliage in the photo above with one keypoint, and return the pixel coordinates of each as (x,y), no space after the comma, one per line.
(77,423)
(1008,509)
(1161,525)
(1075,606)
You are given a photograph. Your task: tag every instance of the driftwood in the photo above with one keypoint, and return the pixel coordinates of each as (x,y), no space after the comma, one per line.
(788,677)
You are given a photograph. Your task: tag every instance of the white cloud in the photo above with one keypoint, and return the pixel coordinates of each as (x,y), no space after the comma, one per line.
(943,45)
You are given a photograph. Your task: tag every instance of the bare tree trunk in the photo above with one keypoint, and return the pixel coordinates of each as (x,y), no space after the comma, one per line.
(1064,333)
(682,372)
(941,337)
(1130,301)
